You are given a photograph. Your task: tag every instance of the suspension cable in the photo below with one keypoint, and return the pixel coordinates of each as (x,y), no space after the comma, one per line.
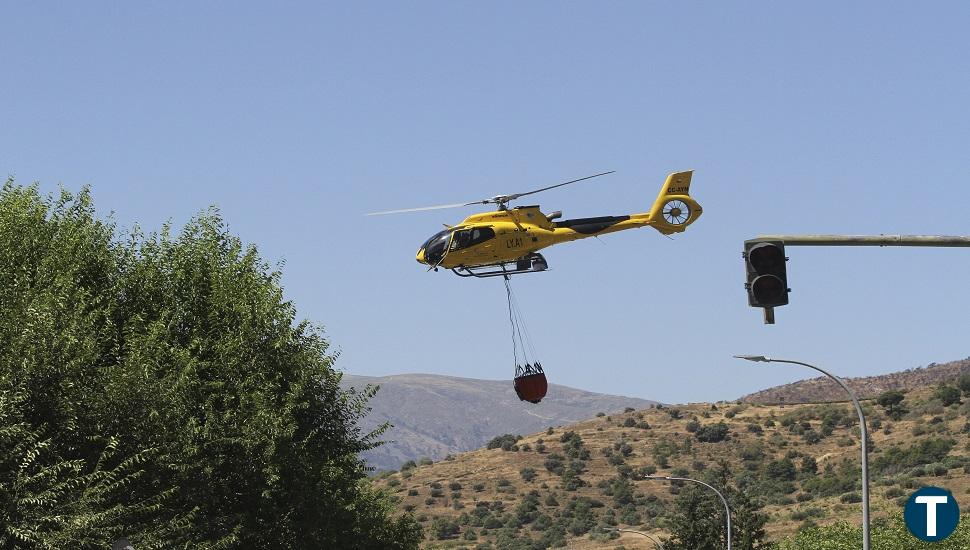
(521,339)
(515,354)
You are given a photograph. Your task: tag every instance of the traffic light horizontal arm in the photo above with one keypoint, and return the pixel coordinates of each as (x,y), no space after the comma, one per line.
(865,240)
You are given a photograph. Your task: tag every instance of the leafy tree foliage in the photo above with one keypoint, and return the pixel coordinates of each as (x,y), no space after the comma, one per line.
(159,388)
(885,536)
(782,469)
(892,401)
(947,394)
(712,433)
(506,442)
(897,459)
(964,383)
(698,520)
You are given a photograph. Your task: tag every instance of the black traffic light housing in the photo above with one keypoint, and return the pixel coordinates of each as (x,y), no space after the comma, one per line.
(767,282)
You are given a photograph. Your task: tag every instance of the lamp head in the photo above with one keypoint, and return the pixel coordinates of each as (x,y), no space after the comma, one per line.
(756,358)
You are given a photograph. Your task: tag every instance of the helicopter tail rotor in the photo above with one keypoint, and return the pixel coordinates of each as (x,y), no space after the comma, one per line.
(674,209)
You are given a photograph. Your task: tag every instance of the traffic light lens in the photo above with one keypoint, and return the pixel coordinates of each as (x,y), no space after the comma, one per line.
(767,258)
(769,290)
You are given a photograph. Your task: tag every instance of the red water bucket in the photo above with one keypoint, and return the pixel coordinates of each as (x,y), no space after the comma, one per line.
(531,387)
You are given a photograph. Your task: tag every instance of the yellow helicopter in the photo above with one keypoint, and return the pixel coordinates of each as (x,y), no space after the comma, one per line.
(507,241)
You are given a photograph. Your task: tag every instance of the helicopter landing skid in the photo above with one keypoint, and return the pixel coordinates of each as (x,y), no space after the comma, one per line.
(532,263)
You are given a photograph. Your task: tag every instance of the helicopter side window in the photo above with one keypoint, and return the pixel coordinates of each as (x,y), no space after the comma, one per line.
(470,237)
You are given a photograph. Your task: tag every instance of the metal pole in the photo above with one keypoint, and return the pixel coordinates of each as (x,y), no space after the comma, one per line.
(652,538)
(866,240)
(727,509)
(866,537)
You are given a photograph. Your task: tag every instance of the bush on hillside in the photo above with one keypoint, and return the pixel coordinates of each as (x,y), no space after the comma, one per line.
(891,535)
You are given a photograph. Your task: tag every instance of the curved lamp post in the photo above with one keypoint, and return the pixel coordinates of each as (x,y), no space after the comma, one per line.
(653,539)
(727,509)
(865,436)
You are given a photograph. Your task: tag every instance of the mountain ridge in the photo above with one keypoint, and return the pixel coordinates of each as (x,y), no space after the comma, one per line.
(435,415)
(822,390)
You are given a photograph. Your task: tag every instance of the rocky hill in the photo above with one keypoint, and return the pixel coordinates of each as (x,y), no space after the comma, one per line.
(821,390)
(434,416)
(567,486)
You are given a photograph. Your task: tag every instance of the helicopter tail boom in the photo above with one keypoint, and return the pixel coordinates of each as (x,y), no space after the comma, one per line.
(674,209)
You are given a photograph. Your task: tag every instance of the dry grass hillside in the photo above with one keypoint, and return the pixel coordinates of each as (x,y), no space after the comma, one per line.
(561,487)
(820,390)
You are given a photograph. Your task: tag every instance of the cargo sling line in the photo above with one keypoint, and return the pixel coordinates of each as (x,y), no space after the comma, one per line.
(521,340)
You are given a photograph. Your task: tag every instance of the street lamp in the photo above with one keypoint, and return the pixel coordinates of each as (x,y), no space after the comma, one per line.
(865,436)
(653,539)
(727,510)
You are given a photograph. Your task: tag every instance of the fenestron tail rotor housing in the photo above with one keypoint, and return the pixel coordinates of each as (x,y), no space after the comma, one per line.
(675,212)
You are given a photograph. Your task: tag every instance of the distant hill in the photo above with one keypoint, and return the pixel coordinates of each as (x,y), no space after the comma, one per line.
(434,416)
(818,390)
(558,487)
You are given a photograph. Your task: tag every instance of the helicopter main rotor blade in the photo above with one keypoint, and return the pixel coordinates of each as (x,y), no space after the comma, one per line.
(517,195)
(456,205)
(500,199)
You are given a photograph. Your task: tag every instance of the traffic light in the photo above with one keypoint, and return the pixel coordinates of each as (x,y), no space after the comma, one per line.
(767,278)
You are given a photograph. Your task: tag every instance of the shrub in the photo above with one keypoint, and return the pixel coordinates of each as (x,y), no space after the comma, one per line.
(780,470)
(712,433)
(554,463)
(444,528)
(896,459)
(948,395)
(963,383)
(506,442)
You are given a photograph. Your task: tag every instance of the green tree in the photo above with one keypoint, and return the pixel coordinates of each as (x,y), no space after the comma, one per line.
(947,394)
(51,502)
(964,384)
(892,401)
(712,433)
(748,522)
(891,535)
(782,469)
(172,367)
(698,520)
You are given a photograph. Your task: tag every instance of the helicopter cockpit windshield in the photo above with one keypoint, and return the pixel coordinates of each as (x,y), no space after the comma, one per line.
(438,246)
(435,247)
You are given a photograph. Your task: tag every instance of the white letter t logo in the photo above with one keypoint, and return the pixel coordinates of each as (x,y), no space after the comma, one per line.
(931,503)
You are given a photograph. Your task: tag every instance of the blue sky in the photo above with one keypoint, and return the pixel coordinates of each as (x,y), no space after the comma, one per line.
(297,118)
